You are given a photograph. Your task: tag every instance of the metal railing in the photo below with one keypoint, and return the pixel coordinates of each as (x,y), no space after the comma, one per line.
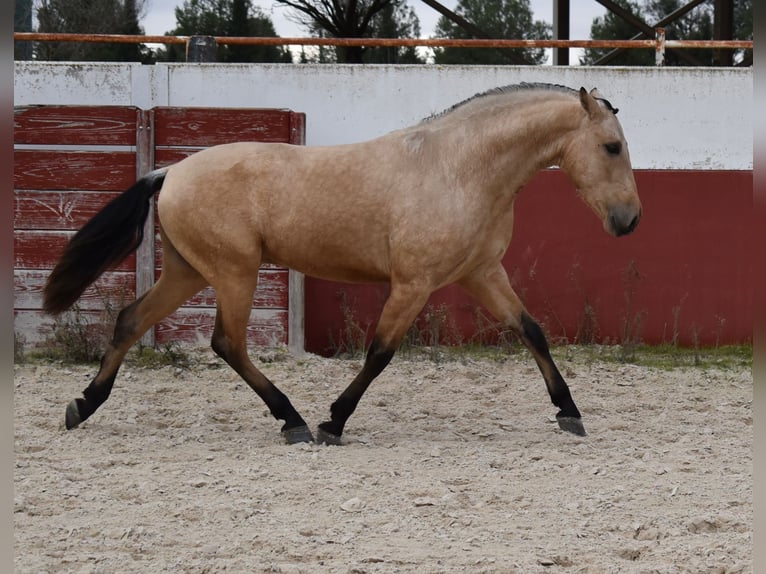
(660,44)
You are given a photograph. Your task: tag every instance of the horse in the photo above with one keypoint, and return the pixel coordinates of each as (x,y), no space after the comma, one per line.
(417,208)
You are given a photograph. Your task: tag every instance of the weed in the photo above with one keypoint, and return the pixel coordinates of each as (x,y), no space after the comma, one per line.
(169,354)
(696,344)
(588,330)
(80,337)
(352,338)
(489,333)
(632,320)
(19,347)
(74,338)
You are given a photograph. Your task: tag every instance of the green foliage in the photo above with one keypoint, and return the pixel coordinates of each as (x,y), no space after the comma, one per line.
(225,18)
(695,25)
(395,21)
(91,17)
(664,357)
(506,19)
(170,354)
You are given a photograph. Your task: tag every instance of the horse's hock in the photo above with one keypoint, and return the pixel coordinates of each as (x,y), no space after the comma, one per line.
(71,160)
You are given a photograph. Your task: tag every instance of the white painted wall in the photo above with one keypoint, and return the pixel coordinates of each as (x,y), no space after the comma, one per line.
(673,118)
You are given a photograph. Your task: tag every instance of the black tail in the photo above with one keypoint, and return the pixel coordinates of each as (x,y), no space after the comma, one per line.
(108,238)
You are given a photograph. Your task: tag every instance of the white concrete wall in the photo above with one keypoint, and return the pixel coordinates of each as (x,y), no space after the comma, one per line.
(674,118)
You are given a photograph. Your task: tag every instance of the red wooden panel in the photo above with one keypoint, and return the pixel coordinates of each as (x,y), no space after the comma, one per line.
(66,170)
(62,210)
(212,126)
(75,125)
(112,288)
(164,157)
(42,249)
(266,328)
(297,128)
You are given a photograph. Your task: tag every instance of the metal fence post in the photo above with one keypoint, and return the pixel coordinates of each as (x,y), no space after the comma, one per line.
(201,49)
(659,58)
(146,251)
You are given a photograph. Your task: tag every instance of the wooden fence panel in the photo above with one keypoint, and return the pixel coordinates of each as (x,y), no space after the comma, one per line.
(75,125)
(73,170)
(71,160)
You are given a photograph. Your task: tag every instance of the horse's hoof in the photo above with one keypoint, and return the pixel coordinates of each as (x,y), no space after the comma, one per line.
(324,437)
(297,435)
(72,419)
(571,424)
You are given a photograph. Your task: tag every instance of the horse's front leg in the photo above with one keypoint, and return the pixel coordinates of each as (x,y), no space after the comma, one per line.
(402,306)
(492,289)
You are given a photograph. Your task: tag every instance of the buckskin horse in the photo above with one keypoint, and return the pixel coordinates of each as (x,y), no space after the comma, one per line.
(418,208)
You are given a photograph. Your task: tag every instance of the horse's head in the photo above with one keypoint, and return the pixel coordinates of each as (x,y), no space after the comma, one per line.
(596,159)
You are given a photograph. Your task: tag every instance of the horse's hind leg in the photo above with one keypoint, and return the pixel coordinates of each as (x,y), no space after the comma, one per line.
(493,289)
(229,341)
(403,305)
(177,283)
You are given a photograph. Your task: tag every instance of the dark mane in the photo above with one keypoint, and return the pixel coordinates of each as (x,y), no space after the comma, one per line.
(523,86)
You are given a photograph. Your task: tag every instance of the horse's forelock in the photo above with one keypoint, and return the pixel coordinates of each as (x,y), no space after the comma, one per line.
(609,105)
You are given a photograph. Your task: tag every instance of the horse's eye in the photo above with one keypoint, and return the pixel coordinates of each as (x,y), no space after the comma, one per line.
(613,148)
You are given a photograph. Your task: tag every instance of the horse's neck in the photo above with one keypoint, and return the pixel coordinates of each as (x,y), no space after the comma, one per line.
(505,150)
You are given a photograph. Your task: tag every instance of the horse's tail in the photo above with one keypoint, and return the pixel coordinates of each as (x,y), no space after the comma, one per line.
(103,242)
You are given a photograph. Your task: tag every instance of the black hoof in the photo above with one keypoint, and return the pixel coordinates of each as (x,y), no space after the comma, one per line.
(297,435)
(571,424)
(73,418)
(324,437)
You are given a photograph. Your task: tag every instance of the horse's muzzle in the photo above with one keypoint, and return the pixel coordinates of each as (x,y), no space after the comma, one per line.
(623,220)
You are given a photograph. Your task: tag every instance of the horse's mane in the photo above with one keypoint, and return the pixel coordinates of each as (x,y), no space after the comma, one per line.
(511,88)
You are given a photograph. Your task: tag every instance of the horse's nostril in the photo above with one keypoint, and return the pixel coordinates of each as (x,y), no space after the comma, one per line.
(620,223)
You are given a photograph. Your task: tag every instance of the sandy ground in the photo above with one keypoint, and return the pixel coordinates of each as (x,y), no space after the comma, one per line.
(450,467)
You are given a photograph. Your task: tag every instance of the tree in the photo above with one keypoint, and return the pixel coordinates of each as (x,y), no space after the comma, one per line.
(354,19)
(694,25)
(395,21)
(91,17)
(22,22)
(612,27)
(226,18)
(743,28)
(500,19)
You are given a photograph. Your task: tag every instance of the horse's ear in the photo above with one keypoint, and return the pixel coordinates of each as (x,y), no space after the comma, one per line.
(589,104)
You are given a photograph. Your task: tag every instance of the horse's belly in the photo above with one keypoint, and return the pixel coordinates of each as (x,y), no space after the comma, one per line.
(331,263)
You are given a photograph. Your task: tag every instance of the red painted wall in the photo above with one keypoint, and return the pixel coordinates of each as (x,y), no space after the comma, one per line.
(685,273)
